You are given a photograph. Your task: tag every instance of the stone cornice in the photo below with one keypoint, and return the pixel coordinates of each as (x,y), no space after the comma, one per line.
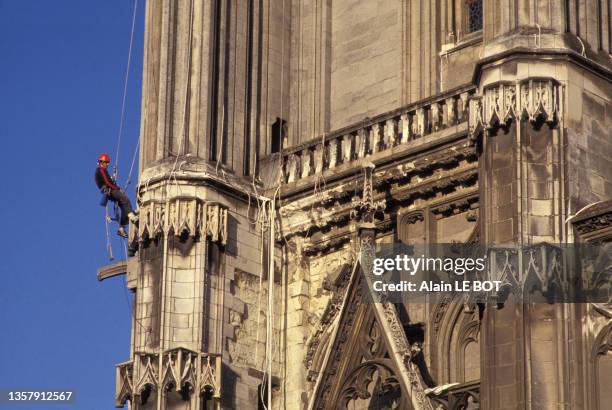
(522,53)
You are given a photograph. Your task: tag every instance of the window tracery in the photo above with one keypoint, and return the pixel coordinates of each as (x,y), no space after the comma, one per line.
(473,16)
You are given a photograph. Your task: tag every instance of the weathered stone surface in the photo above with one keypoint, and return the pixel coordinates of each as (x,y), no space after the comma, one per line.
(492,132)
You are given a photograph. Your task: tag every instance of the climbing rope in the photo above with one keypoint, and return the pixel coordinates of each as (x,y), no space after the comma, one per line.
(125,87)
(107,218)
(109,246)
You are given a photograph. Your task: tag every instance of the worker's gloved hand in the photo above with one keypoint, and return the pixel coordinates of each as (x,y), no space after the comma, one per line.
(105,190)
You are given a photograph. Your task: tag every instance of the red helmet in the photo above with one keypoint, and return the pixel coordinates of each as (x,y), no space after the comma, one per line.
(103,158)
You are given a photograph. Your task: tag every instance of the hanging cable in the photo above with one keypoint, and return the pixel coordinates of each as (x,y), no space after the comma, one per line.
(128,181)
(109,246)
(181,145)
(125,87)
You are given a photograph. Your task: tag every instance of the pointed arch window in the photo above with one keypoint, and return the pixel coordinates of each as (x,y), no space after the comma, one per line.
(473,16)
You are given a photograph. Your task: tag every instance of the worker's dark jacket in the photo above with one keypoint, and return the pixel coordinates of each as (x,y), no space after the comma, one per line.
(112,191)
(104,181)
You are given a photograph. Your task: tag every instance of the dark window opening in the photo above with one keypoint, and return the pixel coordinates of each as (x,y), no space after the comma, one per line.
(474,15)
(279,133)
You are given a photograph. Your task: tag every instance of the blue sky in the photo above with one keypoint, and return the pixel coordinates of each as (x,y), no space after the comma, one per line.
(62,66)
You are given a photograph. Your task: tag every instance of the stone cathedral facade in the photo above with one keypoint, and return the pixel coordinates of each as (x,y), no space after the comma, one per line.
(278,136)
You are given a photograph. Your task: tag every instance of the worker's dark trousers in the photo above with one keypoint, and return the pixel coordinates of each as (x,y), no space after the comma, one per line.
(124,203)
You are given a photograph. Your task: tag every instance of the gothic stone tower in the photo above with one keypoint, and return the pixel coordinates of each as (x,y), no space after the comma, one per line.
(198,247)
(472,121)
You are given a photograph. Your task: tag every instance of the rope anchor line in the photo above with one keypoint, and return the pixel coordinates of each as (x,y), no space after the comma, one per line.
(108,218)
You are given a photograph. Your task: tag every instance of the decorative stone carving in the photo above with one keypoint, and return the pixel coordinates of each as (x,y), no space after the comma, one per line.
(539,268)
(327,318)
(182,370)
(371,136)
(536,100)
(456,396)
(124,385)
(179,371)
(500,105)
(215,225)
(182,217)
(365,209)
(146,368)
(372,352)
(595,223)
(540,100)
(210,374)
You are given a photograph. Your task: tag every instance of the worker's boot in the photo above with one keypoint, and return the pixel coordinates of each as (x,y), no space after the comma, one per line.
(121,232)
(133,217)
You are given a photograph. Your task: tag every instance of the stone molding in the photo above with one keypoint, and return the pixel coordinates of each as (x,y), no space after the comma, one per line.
(594,224)
(182,370)
(425,177)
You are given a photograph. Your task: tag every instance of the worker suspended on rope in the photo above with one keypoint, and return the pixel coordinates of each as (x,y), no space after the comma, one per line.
(113,192)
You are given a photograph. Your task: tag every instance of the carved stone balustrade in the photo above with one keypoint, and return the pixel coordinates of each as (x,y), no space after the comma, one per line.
(371,136)
(178,369)
(183,217)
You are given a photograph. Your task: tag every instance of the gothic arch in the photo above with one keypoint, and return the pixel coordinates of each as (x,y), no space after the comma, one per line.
(458,327)
(367,353)
(414,219)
